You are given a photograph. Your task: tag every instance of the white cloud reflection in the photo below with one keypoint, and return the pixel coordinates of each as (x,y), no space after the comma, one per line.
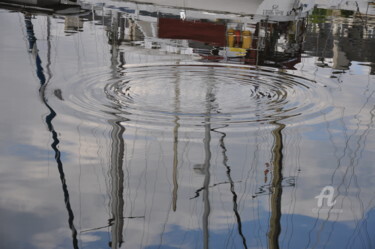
(335,148)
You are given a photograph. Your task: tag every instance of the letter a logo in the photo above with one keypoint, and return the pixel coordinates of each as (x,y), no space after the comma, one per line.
(329,196)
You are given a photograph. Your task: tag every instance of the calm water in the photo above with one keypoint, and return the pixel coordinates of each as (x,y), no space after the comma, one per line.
(144,126)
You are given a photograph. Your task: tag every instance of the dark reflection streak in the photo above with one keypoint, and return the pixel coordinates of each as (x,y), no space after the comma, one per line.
(175,145)
(207,207)
(80,179)
(288,219)
(277,161)
(255,177)
(54,146)
(249,175)
(235,205)
(80,166)
(43,83)
(99,228)
(213,185)
(197,193)
(117,149)
(175,160)
(144,176)
(206,169)
(48,66)
(117,177)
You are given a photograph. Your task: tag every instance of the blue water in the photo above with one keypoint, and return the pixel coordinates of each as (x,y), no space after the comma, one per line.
(114,135)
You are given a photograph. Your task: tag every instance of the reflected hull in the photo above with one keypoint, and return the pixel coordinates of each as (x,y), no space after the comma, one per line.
(44,7)
(41,3)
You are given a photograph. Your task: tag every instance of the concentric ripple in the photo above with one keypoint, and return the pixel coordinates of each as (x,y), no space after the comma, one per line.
(159,94)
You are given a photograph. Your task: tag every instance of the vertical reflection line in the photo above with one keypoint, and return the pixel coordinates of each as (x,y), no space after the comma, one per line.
(117,153)
(254,162)
(175,146)
(43,83)
(48,66)
(276,186)
(79,179)
(117,177)
(294,197)
(235,205)
(206,170)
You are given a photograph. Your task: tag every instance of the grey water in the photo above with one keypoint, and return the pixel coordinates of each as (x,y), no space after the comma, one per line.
(160,124)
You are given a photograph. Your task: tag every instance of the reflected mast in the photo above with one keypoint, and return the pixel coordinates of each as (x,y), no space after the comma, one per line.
(231,182)
(175,147)
(206,170)
(43,84)
(276,186)
(117,183)
(117,153)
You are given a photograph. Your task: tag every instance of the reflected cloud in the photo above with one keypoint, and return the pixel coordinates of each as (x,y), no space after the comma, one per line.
(179,127)
(296,235)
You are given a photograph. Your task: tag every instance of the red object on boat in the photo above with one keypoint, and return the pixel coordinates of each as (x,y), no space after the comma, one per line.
(237,33)
(211,33)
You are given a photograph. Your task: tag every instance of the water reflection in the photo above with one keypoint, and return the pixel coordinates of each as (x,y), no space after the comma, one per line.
(254,41)
(49,118)
(117,188)
(232,189)
(206,130)
(332,39)
(276,186)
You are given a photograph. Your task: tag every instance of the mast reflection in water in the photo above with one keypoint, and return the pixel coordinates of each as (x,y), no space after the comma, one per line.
(49,118)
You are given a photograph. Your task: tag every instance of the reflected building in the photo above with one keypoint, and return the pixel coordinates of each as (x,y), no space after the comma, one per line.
(73,24)
(255,39)
(339,42)
(273,40)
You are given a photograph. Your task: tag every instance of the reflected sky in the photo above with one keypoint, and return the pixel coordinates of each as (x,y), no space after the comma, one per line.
(120,131)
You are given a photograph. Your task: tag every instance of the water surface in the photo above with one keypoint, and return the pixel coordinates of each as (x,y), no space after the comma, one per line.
(120,131)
